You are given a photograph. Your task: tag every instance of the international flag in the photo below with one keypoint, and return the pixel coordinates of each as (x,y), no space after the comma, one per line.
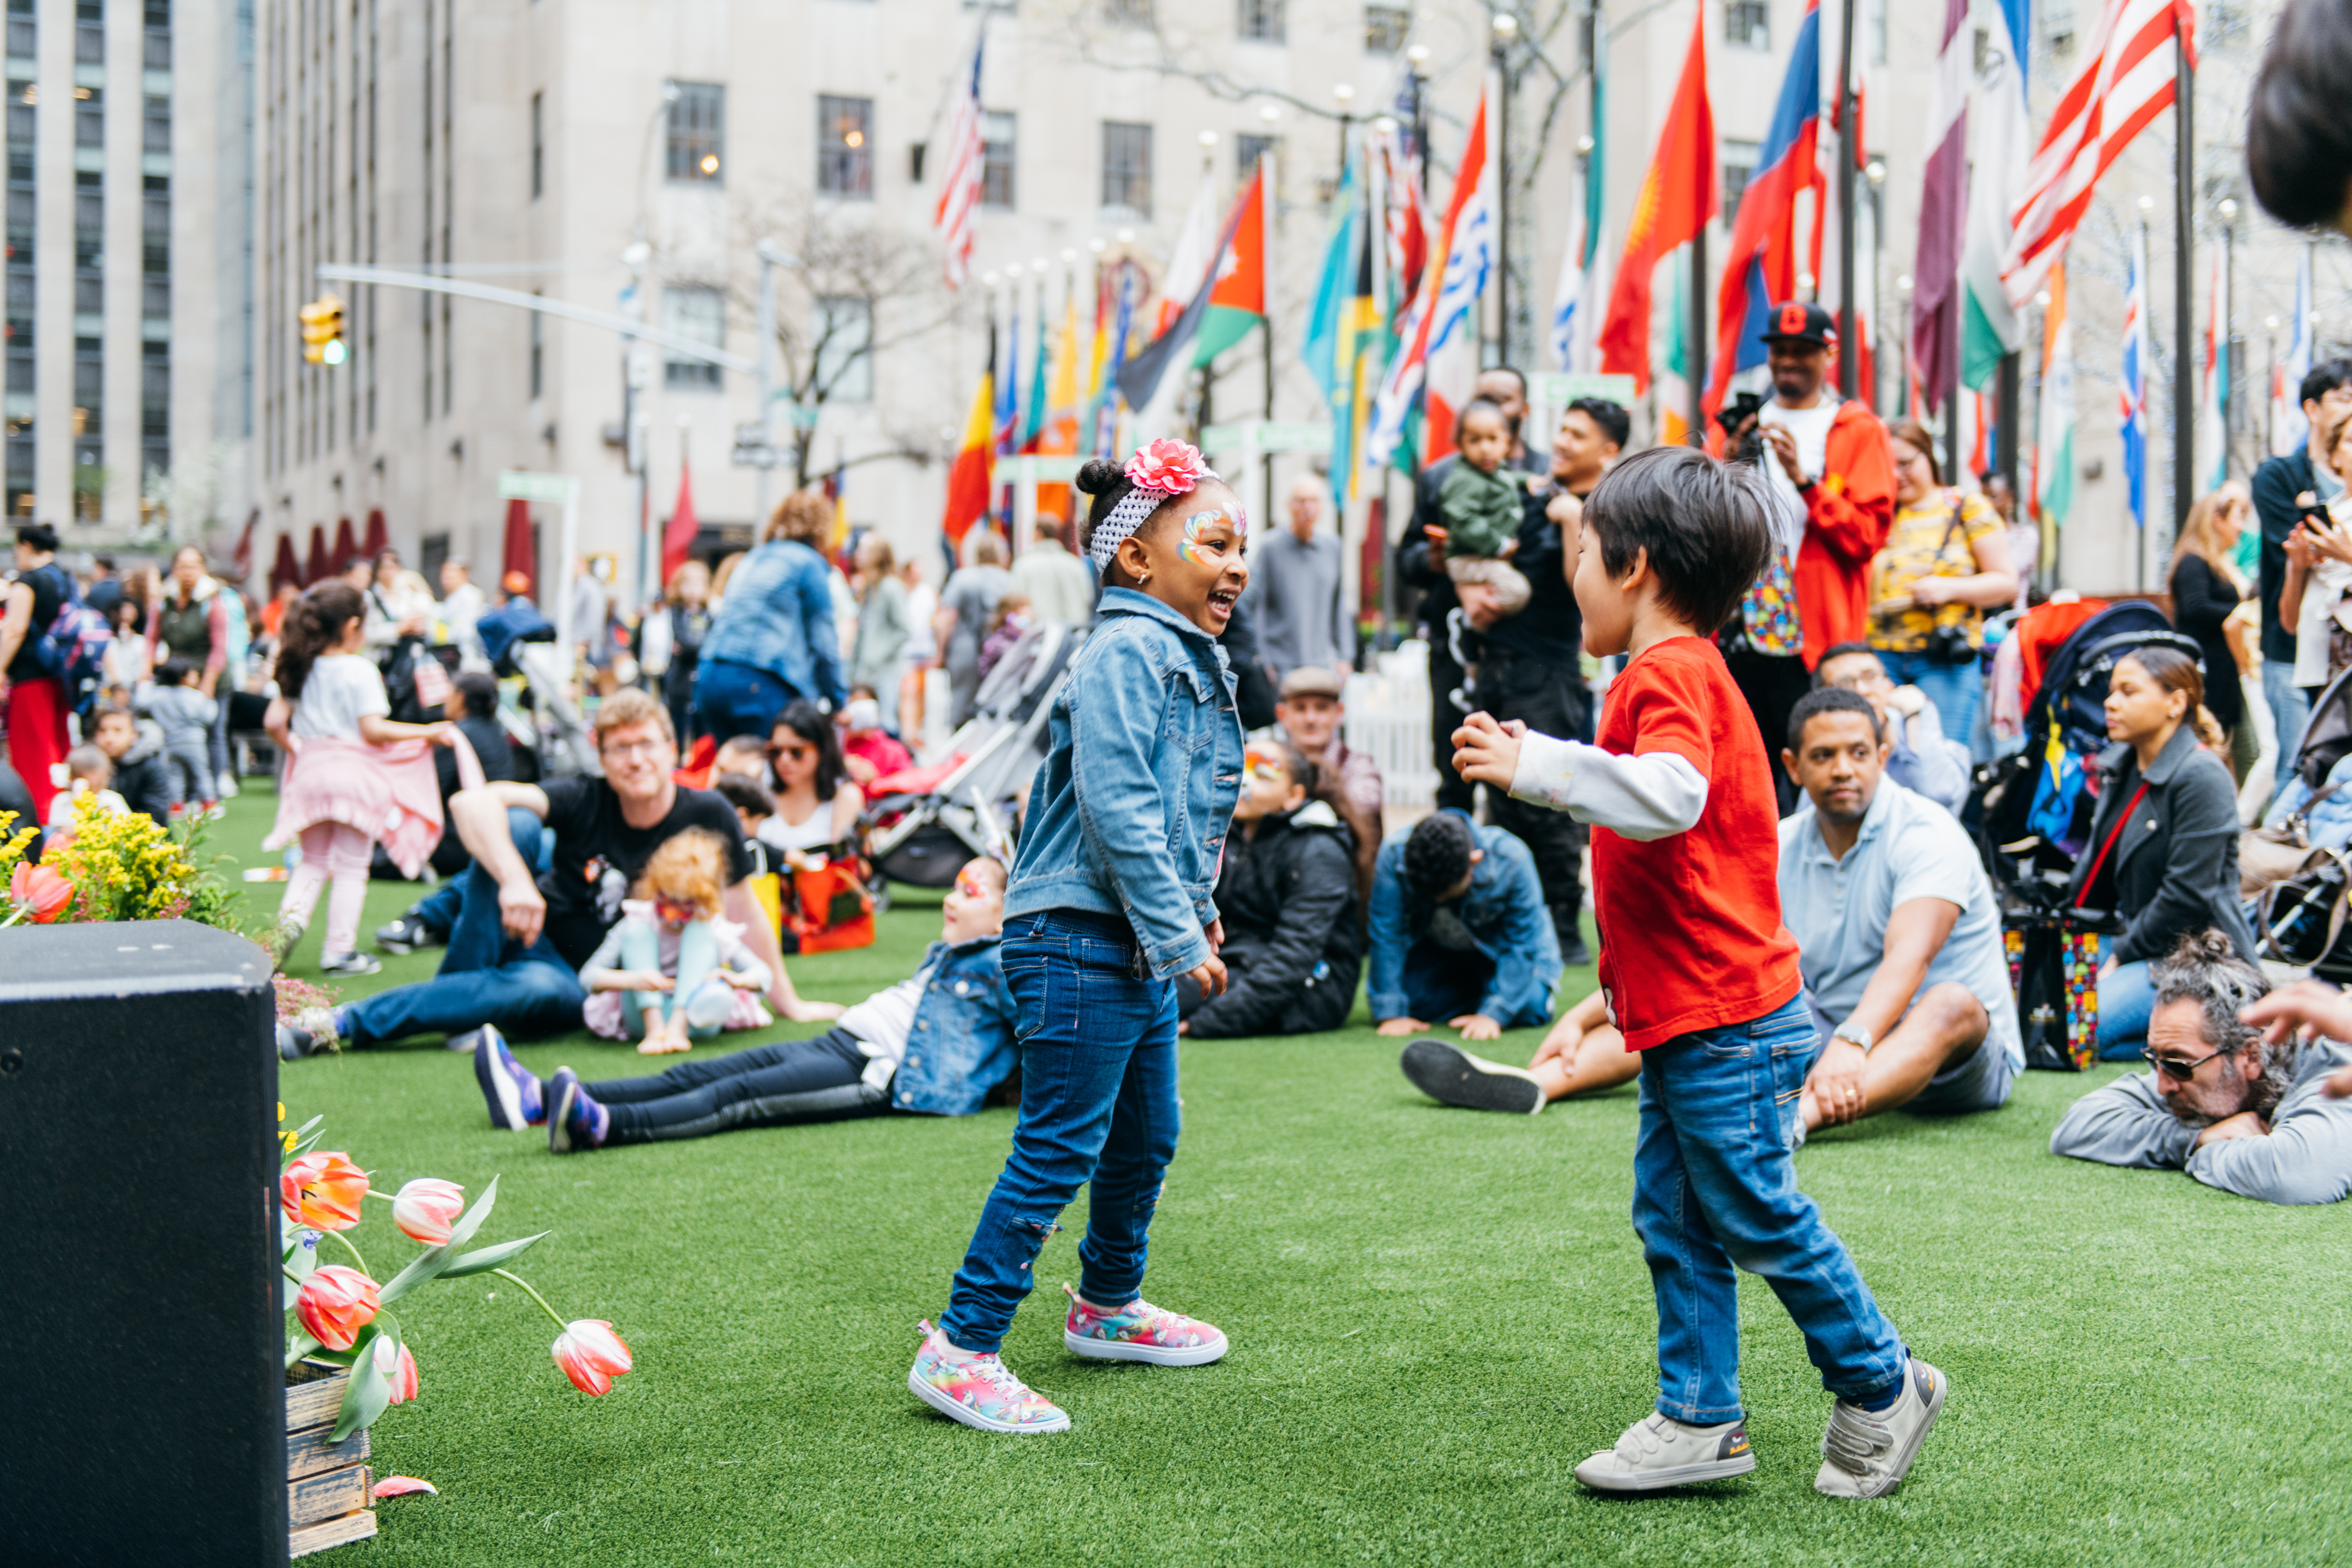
(1144,380)
(1060,436)
(2130,60)
(1190,266)
(957,216)
(1936,298)
(968,478)
(1329,345)
(1989,328)
(1008,384)
(1032,416)
(2053,451)
(1102,436)
(1237,291)
(1674,383)
(1760,264)
(1676,198)
(2289,429)
(1440,335)
(1406,223)
(2213,381)
(2131,384)
(678,537)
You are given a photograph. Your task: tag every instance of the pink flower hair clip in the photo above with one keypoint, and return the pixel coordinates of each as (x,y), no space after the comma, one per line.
(1159,469)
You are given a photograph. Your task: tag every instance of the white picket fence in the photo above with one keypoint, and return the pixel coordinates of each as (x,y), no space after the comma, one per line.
(1387,717)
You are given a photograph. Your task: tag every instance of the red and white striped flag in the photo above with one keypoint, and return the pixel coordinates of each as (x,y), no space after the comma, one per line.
(2126,81)
(959,210)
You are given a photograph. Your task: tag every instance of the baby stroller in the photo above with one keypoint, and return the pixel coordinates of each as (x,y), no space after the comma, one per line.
(2035,809)
(923,823)
(2298,867)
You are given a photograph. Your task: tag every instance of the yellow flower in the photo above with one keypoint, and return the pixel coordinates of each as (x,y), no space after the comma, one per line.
(281,1110)
(289,1140)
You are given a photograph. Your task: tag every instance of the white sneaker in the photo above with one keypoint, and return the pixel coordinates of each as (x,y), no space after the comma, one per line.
(1658,1451)
(228,787)
(1867,1453)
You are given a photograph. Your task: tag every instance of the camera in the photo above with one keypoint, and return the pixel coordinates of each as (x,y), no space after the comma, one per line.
(1739,411)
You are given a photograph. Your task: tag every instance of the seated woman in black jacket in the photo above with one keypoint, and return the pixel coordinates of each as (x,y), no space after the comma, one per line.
(2162,857)
(1287,897)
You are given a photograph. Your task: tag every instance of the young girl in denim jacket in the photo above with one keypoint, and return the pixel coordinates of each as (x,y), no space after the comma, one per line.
(1109,902)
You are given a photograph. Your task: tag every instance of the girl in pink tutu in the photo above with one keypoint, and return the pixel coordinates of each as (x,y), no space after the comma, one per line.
(354,779)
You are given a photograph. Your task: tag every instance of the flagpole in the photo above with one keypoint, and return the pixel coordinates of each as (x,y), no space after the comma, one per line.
(1505,28)
(1849,356)
(1266,264)
(2184,401)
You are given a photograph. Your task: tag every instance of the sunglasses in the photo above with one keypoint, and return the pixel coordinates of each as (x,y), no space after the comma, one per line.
(2174,1067)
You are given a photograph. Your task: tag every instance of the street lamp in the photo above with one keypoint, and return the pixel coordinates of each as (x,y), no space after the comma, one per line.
(1507,33)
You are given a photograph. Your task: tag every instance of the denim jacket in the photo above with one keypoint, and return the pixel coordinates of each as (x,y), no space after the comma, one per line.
(1129,812)
(778,616)
(961,1044)
(1506,916)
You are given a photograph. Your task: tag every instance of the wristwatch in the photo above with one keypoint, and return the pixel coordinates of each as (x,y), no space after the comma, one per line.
(1853,1034)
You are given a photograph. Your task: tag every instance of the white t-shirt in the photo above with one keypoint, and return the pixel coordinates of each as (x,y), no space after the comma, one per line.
(884,1020)
(1810,427)
(341,690)
(815,834)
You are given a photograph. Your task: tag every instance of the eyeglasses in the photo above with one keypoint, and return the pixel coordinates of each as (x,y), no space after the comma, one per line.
(2174,1067)
(633,748)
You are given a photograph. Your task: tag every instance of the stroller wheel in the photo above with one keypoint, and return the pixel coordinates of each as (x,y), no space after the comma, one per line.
(878,889)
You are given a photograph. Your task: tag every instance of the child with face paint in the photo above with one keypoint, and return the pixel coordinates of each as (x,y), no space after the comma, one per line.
(1110,901)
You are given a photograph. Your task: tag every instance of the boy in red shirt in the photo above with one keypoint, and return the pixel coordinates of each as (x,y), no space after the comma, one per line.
(1701,976)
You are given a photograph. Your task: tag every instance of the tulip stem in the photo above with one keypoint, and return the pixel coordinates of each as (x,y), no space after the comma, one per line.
(534,1296)
(354,1251)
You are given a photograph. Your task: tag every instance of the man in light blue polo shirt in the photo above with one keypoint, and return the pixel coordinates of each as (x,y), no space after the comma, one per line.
(1898,930)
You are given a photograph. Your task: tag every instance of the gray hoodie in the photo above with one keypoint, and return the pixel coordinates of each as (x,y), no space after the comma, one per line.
(2306,1159)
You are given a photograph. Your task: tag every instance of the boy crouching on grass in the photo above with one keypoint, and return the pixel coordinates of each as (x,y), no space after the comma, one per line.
(1701,976)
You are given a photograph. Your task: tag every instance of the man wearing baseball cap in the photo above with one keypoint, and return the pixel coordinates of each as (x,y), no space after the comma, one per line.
(1828,464)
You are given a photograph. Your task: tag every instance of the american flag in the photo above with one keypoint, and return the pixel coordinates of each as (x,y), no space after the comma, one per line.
(960,194)
(2126,81)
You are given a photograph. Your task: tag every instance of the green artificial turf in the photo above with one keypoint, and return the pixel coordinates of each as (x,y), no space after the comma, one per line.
(1434,1315)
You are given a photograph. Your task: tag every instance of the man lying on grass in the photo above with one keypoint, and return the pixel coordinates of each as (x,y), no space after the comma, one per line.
(1899,943)
(2241,1098)
(936,1042)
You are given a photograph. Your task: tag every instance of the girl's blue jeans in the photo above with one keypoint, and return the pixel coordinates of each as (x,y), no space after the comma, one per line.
(1098,1105)
(1714,1186)
(2126,1001)
(1954,689)
(699,991)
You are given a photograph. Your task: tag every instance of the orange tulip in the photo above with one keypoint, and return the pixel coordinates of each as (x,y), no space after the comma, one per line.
(324,1191)
(425,1208)
(591,1354)
(39,892)
(335,1304)
(399,1369)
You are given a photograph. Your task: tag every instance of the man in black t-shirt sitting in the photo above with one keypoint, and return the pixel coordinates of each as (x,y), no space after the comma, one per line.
(1528,664)
(518,941)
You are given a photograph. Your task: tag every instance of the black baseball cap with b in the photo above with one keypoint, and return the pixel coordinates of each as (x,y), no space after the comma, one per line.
(1797,321)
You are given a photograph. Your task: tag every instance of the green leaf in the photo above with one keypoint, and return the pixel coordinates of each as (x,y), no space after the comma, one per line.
(368,1394)
(430,1262)
(489,1258)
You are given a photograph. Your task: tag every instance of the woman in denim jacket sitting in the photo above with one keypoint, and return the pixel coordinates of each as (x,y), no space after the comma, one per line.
(936,1042)
(1109,903)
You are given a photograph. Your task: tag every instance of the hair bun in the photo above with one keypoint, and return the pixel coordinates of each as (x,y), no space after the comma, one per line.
(1097,477)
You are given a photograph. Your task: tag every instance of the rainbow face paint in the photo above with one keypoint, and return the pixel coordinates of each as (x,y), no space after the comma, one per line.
(1189,546)
(1262,765)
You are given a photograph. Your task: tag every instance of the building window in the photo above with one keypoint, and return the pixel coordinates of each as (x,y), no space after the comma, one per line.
(90,117)
(996,160)
(697,128)
(156,126)
(1127,167)
(1260,21)
(699,315)
(1747,24)
(1738,167)
(845,348)
(1385,28)
(844,150)
(1249,150)
(537,146)
(90,43)
(1128,12)
(538,354)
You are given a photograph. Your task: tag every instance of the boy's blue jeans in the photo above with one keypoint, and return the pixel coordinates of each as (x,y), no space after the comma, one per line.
(1714,1186)
(486,977)
(1098,1105)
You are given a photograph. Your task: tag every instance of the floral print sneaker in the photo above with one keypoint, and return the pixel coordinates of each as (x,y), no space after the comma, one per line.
(1139,1332)
(979,1391)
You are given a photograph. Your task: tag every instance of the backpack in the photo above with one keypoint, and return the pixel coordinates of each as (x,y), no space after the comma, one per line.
(73,645)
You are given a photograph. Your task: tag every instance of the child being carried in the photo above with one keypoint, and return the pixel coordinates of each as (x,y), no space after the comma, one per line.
(1483,505)
(671,971)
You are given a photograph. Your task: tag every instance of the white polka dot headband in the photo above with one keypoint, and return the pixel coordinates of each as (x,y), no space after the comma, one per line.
(1158,471)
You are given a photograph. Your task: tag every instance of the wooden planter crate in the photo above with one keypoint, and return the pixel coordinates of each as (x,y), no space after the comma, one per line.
(327,1484)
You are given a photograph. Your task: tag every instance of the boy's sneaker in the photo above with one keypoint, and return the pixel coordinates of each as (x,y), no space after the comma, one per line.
(1658,1451)
(1139,1332)
(354,963)
(1866,1453)
(573,1120)
(407,934)
(314,1029)
(516,1098)
(979,1391)
(1451,1076)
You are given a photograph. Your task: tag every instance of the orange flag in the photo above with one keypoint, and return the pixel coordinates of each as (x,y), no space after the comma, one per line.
(968,480)
(1676,198)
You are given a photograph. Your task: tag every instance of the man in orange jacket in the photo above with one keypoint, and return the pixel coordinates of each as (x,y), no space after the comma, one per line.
(1833,473)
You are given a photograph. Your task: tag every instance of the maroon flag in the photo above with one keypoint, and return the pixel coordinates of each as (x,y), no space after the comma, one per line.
(1936,298)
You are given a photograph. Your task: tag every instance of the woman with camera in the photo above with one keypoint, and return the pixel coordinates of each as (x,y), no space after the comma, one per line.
(1944,564)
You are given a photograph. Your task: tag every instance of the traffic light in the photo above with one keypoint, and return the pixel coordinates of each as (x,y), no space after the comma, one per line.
(322,330)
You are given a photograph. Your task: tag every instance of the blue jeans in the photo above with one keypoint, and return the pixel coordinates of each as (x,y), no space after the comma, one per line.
(1714,1186)
(2126,1001)
(436,912)
(2289,711)
(1954,689)
(731,700)
(486,976)
(1442,983)
(706,998)
(1098,1105)
(764,1086)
